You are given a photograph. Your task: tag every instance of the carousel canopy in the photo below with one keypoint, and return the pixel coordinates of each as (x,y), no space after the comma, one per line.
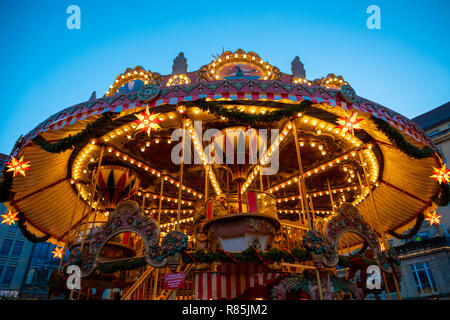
(349,145)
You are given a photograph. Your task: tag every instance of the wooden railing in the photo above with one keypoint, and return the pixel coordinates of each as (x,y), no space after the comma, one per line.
(146,275)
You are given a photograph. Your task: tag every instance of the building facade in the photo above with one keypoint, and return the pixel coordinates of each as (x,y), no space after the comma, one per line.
(15,251)
(426,256)
(25,267)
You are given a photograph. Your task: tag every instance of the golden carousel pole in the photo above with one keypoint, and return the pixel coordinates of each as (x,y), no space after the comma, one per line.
(311,206)
(206,182)
(383,236)
(78,231)
(261,181)
(331,196)
(331,199)
(155,280)
(177,228)
(371,226)
(302,191)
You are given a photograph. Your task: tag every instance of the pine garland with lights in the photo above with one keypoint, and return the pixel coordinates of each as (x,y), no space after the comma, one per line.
(252,255)
(130,264)
(442,197)
(399,140)
(248,255)
(81,138)
(412,232)
(234,114)
(27,234)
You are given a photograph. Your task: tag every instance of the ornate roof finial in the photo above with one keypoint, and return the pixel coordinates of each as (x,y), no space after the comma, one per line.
(93,96)
(298,71)
(179,64)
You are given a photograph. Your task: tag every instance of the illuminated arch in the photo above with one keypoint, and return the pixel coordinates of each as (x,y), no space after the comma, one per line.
(126,218)
(263,69)
(138,73)
(349,220)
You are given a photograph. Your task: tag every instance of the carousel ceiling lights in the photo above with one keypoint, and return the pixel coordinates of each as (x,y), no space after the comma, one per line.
(318,194)
(171,211)
(323,167)
(274,147)
(199,150)
(164,198)
(170,224)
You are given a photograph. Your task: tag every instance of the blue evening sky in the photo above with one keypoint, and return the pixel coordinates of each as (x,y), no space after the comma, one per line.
(46,67)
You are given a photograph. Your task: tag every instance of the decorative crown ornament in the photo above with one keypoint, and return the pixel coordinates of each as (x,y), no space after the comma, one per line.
(348,94)
(148,92)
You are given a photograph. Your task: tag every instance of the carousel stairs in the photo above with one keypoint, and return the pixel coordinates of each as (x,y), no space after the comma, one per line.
(141,287)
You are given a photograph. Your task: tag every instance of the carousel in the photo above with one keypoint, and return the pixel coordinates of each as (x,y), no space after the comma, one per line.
(233,181)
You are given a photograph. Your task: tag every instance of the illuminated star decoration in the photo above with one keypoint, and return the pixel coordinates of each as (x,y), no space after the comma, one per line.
(57,253)
(433,218)
(9,218)
(147,121)
(18,166)
(441,175)
(349,123)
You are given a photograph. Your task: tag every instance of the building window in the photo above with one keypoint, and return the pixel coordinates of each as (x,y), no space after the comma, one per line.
(9,273)
(423,277)
(6,246)
(17,248)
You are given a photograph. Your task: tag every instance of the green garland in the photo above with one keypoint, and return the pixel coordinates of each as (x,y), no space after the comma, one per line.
(130,264)
(80,138)
(251,255)
(248,255)
(27,234)
(398,140)
(413,231)
(235,114)
(442,197)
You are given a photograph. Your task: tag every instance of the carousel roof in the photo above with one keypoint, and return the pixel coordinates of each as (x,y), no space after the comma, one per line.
(58,183)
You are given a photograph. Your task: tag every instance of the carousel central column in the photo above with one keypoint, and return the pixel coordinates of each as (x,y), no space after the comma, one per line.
(155,280)
(180,180)
(302,191)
